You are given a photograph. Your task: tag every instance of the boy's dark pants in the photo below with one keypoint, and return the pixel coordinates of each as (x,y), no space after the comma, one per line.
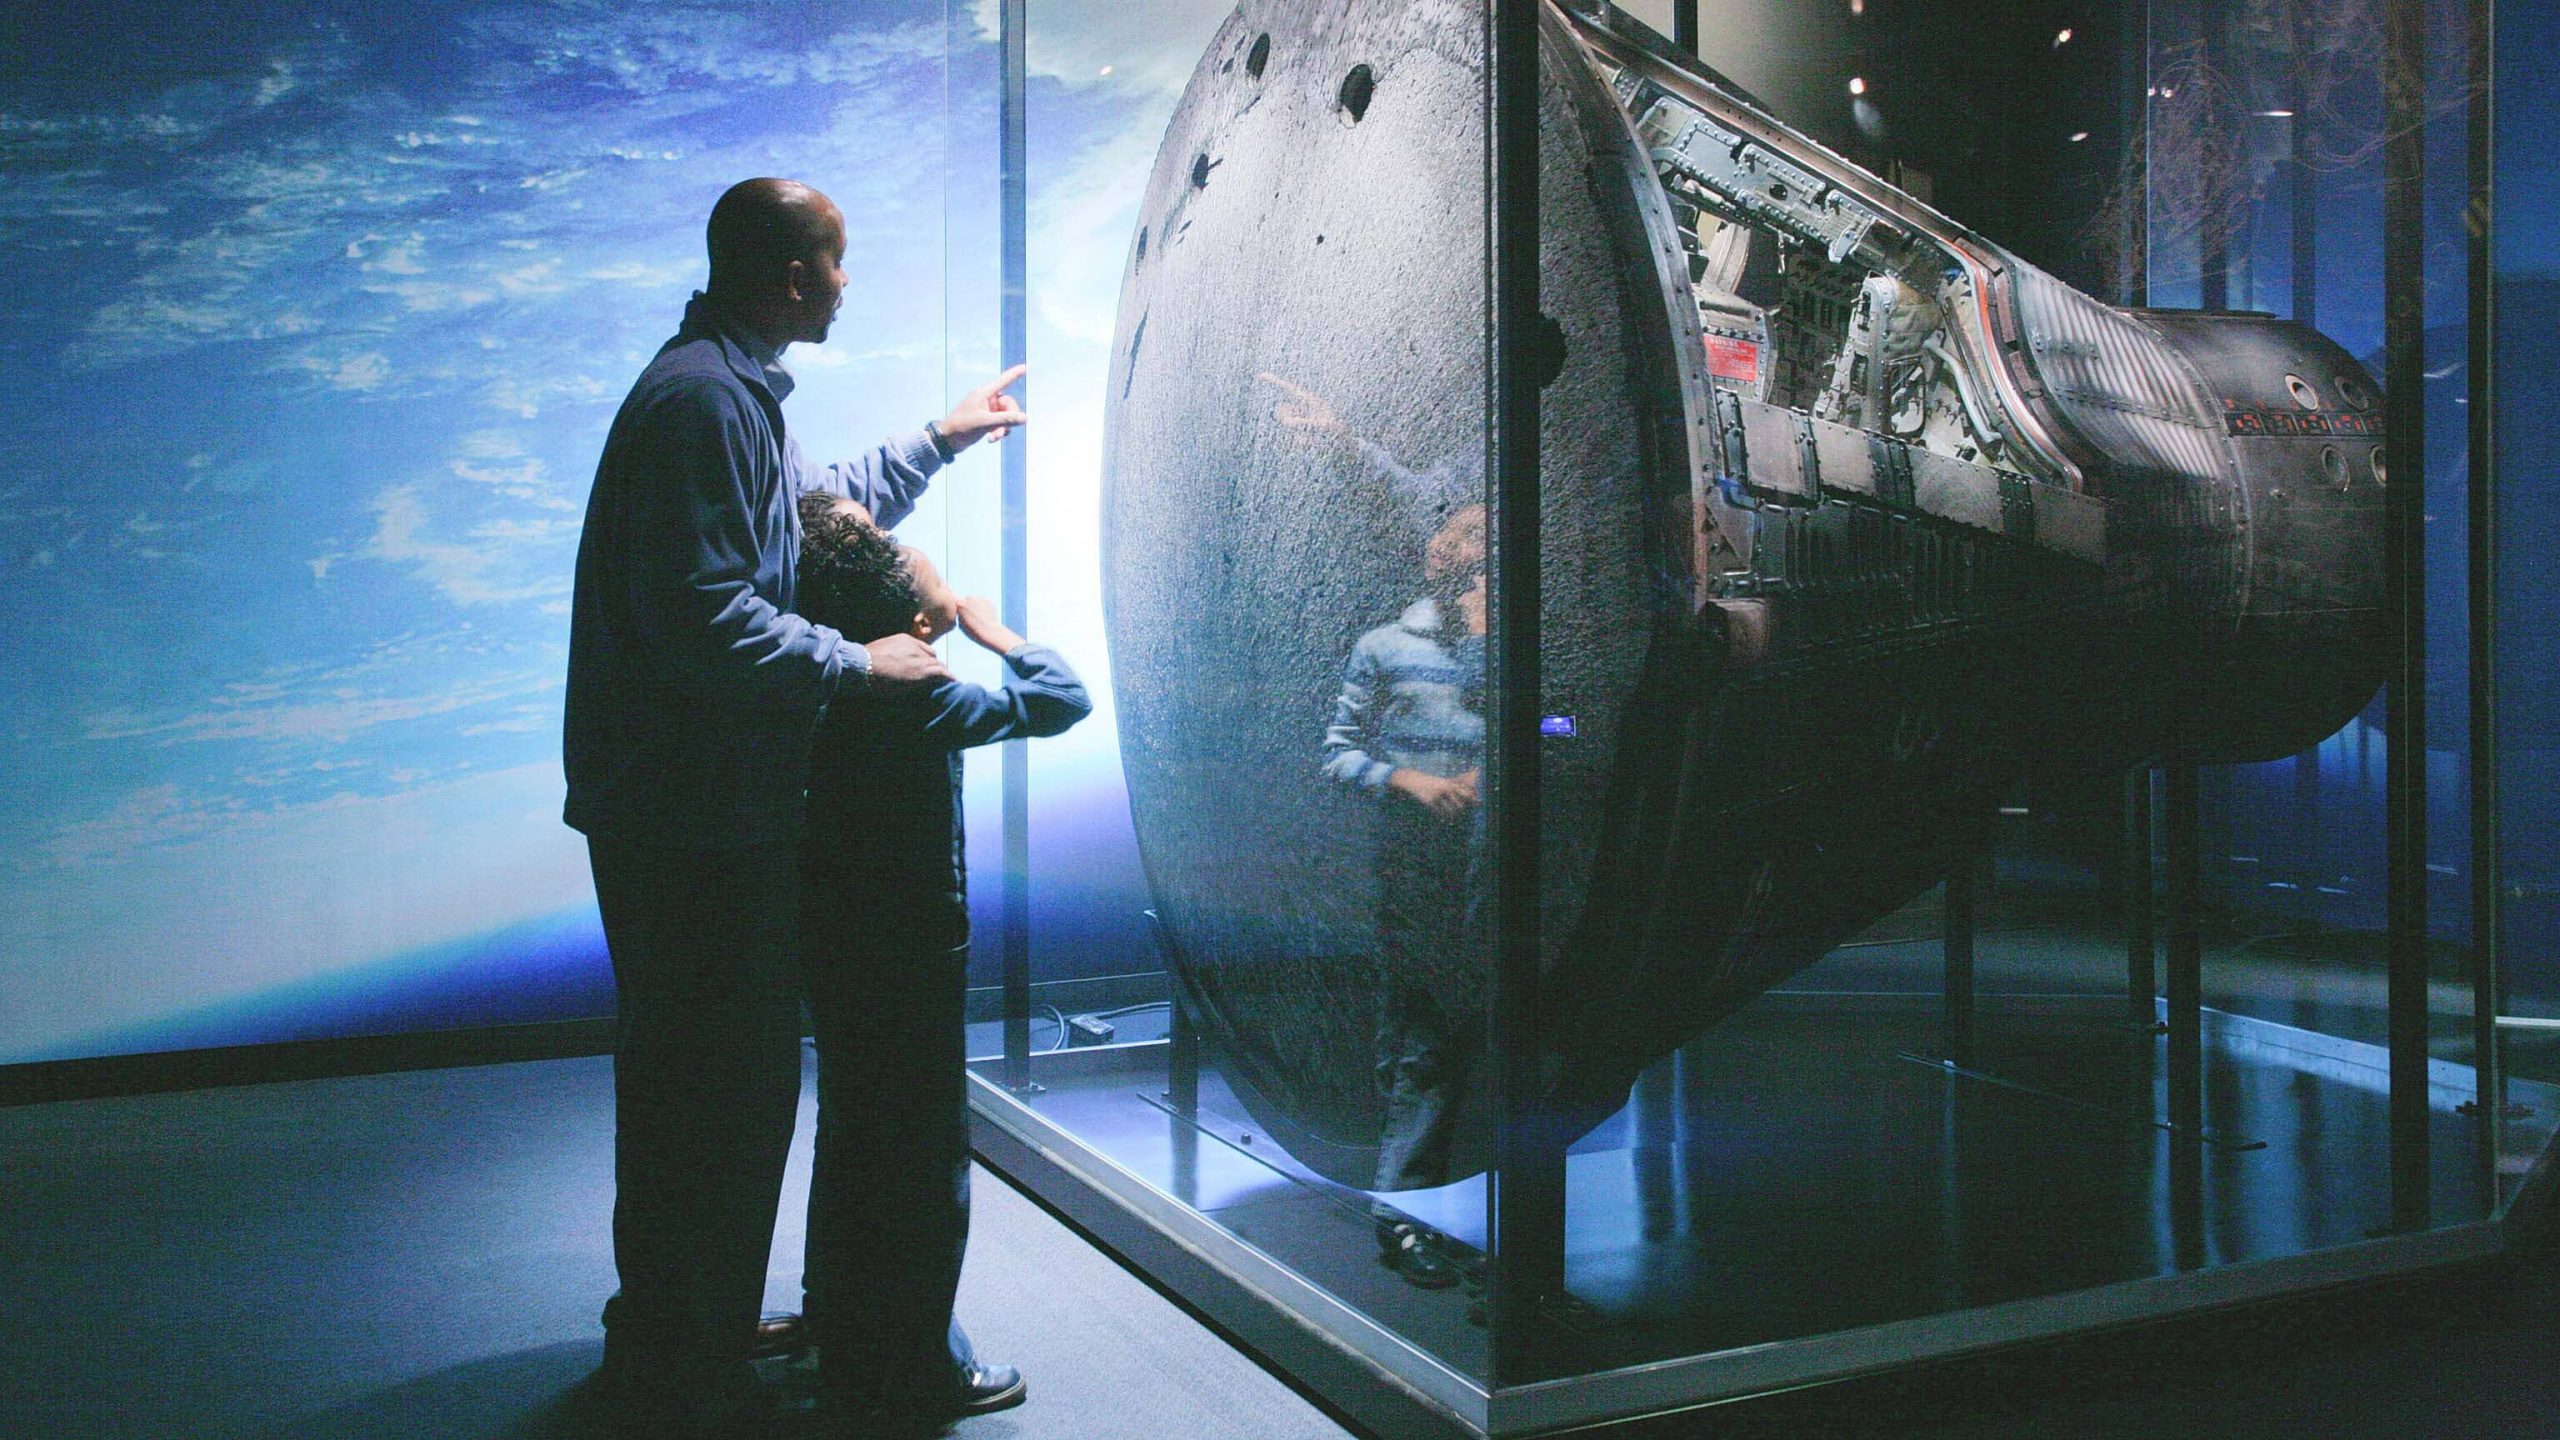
(889,1192)
(706,1083)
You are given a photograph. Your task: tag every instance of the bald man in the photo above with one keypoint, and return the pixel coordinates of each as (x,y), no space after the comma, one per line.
(693,693)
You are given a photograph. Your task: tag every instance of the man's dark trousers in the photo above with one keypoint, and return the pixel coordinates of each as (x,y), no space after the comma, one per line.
(889,1187)
(706,1084)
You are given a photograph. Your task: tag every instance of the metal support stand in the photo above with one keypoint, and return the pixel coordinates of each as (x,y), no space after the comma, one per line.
(1672,1155)
(1182,1063)
(1953,1125)
(1698,1155)
(1957,942)
(2186,1200)
(1182,1072)
(2141,941)
(2185,1018)
(1655,1148)
(1182,1034)
(2186,955)
(2304,197)
(1182,1095)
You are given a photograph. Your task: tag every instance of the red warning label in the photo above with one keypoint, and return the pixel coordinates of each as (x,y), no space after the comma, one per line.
(1732,359)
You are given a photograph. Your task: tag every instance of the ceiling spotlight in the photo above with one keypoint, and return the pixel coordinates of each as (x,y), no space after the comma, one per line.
(2277,114)
(2063,38)
(1857,85)
(1857,7)
(2079,135)
(1106,69)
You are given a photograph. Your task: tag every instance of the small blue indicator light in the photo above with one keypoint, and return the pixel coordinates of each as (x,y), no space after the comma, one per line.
(1558,725)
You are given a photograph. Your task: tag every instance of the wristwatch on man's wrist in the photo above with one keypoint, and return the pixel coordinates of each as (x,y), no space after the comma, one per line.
(941,442)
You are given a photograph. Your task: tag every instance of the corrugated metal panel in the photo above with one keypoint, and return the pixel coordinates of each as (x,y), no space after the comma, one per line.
(2118,383)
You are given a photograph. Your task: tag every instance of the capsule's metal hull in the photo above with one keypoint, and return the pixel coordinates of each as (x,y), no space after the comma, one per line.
(1811,615)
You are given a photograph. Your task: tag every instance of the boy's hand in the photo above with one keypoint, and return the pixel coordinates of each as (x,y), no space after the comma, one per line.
(905,660)
(1446,797)
(978,621)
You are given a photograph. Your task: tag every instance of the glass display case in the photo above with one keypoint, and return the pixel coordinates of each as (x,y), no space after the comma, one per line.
(1765,706)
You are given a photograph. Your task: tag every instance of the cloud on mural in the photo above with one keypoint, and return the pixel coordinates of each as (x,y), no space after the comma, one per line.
(317,328)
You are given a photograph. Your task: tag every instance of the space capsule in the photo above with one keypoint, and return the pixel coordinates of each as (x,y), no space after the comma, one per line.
(1853,523)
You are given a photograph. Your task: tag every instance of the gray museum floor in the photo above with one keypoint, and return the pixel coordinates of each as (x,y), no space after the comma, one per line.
(421,1254)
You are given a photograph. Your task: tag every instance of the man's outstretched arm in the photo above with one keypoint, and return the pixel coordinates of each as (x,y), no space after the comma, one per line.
(889,479)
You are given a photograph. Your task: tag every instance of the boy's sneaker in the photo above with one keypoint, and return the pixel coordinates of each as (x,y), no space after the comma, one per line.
(781,1333)
(976,1388)
(959,1386)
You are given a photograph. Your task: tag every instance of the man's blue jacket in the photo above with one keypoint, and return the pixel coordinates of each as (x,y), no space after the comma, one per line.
(693,688)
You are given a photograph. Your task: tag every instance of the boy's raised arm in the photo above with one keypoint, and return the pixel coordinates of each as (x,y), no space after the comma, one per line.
(1041,694)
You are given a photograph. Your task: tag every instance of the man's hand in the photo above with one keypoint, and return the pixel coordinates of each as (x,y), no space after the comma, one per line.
(986,413)
(978,621)
(1306,415)
(1447,798)
(905,660)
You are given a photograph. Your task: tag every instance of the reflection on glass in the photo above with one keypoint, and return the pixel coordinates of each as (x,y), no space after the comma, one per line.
(1408,733)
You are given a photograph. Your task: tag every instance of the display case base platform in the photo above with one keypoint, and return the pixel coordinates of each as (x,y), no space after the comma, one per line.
(1811,1193)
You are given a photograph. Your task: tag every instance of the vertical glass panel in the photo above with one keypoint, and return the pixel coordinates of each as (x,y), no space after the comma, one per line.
(976,534)
(1256,338)
(2524,461)
(2269,141)
(2266,159)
